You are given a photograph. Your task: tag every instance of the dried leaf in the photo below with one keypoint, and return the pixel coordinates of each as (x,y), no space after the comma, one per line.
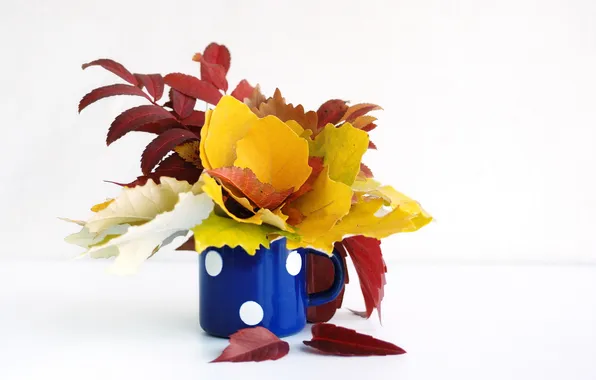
(256,98)
(162,145)
(212,72)
(243,90)
(369,127)
(363,121)
(336,340)
(114,67)
(183,105)
(153,83)
(263,195)
(277,106)
(358,110)
(112,90)
(368,261)
(253,344)
(134,118)
(189,151)
(331,112)
(193,87)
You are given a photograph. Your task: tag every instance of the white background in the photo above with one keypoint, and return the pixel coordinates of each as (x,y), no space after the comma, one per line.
(489,121)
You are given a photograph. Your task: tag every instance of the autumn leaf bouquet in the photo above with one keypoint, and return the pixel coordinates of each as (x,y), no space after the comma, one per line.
(247,172)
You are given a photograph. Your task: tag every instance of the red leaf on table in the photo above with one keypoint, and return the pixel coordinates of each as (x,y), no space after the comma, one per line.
(196,119)
(331,112)
(114,67)
(182,104)
(243,90)
(371,145)
(336,340)
(153,83)
(368,261)
(358,110)
(369,127)
(172,166)
(135,118)
(112,90)
(263,195)
(365,170)
(193,87)
(218,54)
(254,344)
(320,277)
(212,72)
(162,145)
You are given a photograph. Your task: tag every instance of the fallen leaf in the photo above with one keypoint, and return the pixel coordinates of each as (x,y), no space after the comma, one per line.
(263,195)
(112,90)
(153,83)
(358,110)
(253,344)
(183,105)
(189,151)
(336,340)
(369,127)
(278,107)
(331,112)
(134,119)
(316,163)
(363,121)
(163,144)
(365,171)
(193,87)
(115,68)
(255,99)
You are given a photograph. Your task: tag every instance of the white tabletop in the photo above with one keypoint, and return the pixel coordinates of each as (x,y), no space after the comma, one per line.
(70,320)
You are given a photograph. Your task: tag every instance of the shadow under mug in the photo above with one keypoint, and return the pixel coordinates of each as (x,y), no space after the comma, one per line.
(237,290)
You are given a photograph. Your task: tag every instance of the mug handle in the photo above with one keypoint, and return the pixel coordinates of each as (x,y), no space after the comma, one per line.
(330,294)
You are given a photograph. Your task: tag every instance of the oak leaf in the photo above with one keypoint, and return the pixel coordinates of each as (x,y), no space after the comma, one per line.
(278,107)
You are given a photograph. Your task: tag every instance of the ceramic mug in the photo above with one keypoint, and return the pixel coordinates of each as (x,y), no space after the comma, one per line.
(237,290)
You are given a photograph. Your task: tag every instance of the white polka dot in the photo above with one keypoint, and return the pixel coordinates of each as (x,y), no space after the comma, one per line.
(251,313)
(213,263)
(293,263)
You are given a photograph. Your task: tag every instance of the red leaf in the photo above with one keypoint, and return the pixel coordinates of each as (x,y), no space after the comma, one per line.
(365,170)
(114,67)
(320,277)
(162,145)
(358,110)
(188,245)
(246,182)
(218,54)
(243,90)
(336,340)
(254,344)
(153,83)
(134,118)
(371,145)
(159,126)
(182,104)
(196,119)
(368,261)
(212,72)
(331,112)
(112,90)
(172,166)
(193,87)
(316,163)
(369,127)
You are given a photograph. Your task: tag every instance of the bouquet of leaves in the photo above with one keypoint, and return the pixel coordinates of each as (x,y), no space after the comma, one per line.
(249,170)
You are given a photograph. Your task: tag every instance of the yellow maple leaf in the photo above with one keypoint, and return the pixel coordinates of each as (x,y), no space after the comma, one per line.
(278,107)
(323,206)
(342,149)
(273,151)
(217,231)
(229,122)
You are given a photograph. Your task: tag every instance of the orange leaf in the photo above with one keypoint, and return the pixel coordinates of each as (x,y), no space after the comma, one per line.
(263,195)
(316,163)
(363,121)
(277,106)
(358,110)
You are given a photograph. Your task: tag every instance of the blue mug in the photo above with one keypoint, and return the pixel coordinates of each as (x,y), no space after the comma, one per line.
(237,290)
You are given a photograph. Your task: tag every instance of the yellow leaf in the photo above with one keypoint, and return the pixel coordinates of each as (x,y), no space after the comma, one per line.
(100,206)
(323,206)
(342,149)
(275,218)
(273,151)
(224,127)
(217,231)
(190,152)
